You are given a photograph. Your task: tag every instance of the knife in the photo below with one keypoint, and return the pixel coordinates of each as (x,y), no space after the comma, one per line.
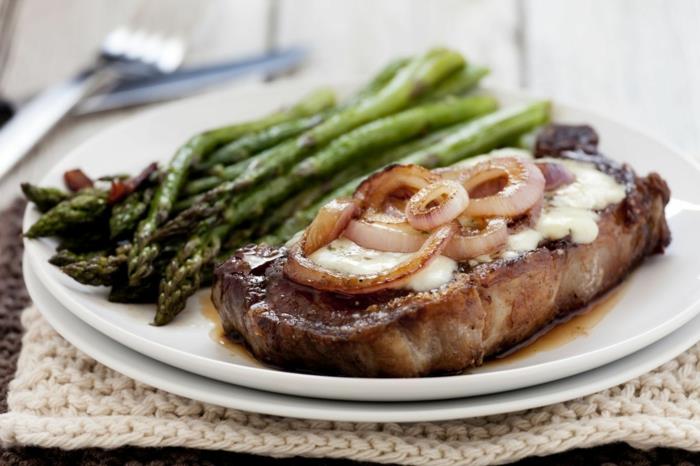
(187,81)
(179,83)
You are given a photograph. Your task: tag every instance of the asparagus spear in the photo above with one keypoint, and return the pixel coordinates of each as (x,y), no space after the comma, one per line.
(391,130)
(482,135)
(65,256)
(43,198)
(341,153)
(144,292)
(386,74)
(84,208)
(458,83)
(412,81)
(98,270)
(126,215)
(144,251)
(183,275)
(250,144)
(91,237)
(241,236)
(472,138)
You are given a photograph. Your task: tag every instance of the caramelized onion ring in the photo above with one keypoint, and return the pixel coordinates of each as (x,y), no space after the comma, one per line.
(473,242)
(299,268)
(436,204)
(555,175)
(533,214)
(393,211)
(524,187)
(392,237)
(328,224)
(374,191)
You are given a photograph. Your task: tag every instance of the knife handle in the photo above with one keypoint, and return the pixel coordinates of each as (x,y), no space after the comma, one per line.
(40,115)
(6,112)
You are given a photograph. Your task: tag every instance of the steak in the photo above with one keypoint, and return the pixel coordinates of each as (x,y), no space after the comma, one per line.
(484,310)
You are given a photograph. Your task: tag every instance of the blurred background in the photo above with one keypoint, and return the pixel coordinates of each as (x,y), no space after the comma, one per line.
(636,60)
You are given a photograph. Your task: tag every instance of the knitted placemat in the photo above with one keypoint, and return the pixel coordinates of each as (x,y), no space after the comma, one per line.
(60,397)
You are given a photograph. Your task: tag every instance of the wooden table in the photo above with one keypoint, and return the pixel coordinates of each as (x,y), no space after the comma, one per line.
(634,60)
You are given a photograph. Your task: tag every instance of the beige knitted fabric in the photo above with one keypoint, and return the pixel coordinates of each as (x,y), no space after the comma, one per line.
(62,398)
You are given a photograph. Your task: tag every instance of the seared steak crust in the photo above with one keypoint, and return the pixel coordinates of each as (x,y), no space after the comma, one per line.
(484,310)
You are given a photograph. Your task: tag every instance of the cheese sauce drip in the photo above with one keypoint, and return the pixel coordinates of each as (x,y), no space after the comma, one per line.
(345,256)
(570,210)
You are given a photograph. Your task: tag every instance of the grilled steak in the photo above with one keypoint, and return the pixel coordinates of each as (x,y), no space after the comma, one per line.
(484,310)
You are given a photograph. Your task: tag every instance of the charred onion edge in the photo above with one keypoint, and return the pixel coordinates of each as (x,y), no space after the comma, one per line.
(471,243)
(328,224)
(436,204)
(76,180)
(300,269)
(555,175)
(524,186)
(372,192)
(392,237)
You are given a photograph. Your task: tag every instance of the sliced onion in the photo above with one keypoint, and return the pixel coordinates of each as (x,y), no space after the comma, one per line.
(374,191)
(436,204)
(486,237)
(393,211)
(395,218)
(299,268)
(328,224)
(555,175)
(392,237)
(524,186)
(533,214)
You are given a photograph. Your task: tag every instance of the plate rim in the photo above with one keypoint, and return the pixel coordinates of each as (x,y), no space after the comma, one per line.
(169,355)
(121,359)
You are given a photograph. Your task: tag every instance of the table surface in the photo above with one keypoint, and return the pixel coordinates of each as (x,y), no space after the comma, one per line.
(634,60)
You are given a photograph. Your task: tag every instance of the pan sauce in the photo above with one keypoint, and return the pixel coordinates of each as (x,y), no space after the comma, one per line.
(562,331)
(558,333)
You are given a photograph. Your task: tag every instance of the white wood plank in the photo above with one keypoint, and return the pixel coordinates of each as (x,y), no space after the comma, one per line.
(353,38)
(53,40)
(636,60)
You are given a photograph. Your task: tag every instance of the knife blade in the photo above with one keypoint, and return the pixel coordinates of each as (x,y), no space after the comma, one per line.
(189,80)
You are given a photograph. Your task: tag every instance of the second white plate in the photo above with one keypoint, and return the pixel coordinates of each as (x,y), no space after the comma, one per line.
(659,298)
(179,382)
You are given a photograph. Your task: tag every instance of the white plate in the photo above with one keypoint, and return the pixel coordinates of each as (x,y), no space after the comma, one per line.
(179,382)
(659,298)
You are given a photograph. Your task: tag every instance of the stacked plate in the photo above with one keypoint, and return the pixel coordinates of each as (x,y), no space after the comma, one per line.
(650,319)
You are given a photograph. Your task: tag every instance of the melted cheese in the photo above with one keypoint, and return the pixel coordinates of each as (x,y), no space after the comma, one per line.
(345,256)
(525,240)
(592,190)
(571,209)
(558,222)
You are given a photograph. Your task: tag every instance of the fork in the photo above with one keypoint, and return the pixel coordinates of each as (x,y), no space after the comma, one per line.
(125,54)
